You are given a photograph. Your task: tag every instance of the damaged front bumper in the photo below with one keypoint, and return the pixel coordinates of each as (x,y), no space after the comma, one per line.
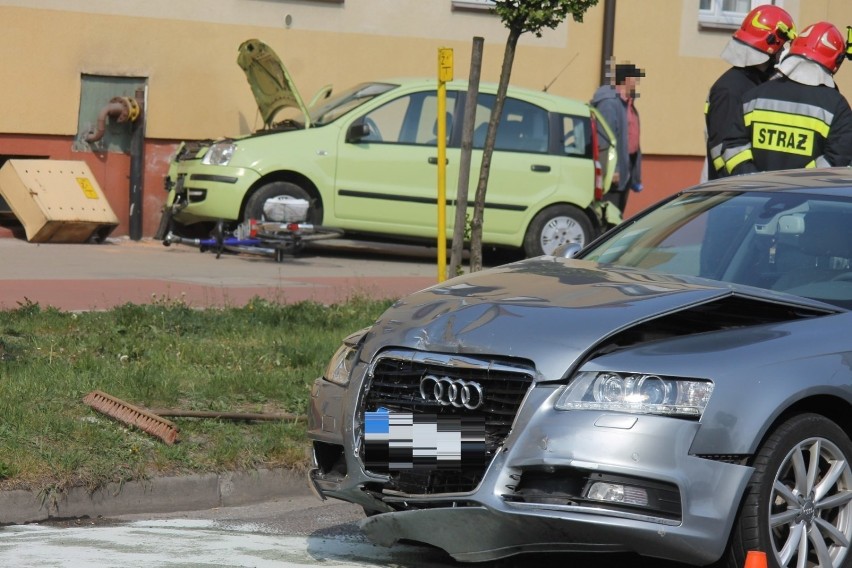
(207,193)
(545,488)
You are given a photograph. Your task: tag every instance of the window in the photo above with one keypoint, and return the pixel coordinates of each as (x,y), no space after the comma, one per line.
(96,91)
(727,14)
(411,119)
(473,5)
(576,136)
(523,126)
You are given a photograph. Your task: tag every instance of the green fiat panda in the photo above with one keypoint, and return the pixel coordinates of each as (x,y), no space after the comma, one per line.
(366,161)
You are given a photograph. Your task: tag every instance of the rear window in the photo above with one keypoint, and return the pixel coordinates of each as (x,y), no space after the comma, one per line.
(576,136)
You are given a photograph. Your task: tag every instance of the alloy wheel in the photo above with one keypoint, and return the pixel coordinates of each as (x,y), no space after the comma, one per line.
(810,506)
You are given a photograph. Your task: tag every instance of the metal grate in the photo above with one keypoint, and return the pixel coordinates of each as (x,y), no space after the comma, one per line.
(394,383)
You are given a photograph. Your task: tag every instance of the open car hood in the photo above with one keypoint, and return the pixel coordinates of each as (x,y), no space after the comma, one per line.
(271,84)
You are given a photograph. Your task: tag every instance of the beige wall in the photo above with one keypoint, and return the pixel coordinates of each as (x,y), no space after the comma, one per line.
(197,90)
(187,49)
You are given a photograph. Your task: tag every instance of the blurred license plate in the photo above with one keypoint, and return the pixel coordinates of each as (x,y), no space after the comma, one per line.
(397,441)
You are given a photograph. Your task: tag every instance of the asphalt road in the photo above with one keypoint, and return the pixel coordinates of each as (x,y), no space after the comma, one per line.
(300,531)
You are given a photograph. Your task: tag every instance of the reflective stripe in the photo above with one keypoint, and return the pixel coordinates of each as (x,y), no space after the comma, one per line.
(743,156)
(731,153)
(716,151)
(706,107)
(819,162)
(800,111)
(716,157)
(849,42)
(783,119)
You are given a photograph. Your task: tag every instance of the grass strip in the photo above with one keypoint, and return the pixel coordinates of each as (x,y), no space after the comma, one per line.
(259,358)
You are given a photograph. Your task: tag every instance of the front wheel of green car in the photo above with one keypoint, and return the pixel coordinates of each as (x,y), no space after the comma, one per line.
(798,504)
(555,226)
(254,205)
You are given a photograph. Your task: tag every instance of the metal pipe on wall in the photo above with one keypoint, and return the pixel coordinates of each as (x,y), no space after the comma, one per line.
(137,169)
(117,109)
(608,40)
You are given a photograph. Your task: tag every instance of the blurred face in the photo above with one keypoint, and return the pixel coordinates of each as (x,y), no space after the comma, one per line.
(628,88)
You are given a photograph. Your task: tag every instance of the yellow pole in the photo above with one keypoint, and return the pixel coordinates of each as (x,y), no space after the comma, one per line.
(445,74)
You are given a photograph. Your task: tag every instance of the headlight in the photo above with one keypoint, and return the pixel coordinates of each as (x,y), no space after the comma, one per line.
(343,360)
(637,393)
(219,154)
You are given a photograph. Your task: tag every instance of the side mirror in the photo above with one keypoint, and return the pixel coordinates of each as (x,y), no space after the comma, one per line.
(568,250)
(357,131)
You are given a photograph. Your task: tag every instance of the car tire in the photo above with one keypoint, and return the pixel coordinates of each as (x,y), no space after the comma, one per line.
(254,205)
(195,231)
(555,226)
(798,495)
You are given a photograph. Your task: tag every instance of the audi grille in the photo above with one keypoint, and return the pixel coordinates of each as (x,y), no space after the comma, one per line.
(408,381)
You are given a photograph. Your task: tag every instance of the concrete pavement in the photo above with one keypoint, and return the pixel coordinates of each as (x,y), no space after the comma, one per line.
(100,276)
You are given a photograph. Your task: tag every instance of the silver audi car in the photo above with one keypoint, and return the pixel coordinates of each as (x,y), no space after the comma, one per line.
(681,388)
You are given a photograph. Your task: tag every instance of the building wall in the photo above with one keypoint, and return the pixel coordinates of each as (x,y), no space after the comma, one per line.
(187,52)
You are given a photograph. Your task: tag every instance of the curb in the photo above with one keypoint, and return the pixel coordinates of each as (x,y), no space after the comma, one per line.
(158,495)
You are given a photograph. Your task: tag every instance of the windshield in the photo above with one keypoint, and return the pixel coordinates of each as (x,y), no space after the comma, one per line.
(338,105)
(788,242)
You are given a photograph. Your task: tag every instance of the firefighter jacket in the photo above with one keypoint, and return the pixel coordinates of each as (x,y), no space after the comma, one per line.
(790,125)
(723,113)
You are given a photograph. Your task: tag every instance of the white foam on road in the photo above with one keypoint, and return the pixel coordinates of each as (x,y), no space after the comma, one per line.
(193,543)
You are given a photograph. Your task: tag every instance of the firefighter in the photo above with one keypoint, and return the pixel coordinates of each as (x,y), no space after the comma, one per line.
(753,51)
(799,119)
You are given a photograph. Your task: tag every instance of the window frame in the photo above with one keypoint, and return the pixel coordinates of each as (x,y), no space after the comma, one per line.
(473,5)
(719,19)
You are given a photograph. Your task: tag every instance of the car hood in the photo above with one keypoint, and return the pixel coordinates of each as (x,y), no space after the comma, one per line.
(552,311)
(271,84)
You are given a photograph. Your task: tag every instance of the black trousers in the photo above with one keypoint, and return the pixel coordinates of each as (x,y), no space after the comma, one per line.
(619,198)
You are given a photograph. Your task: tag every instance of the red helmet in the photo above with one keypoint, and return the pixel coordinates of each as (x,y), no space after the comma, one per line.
(822,43)
(766,28)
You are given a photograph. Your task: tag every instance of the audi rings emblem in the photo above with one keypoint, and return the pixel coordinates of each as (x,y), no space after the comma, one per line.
(455,392)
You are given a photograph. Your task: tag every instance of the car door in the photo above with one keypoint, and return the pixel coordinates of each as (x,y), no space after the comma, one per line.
(386,182)
(523,172)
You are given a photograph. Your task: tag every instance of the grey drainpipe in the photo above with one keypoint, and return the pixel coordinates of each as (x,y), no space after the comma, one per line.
(608,40)
(137,169)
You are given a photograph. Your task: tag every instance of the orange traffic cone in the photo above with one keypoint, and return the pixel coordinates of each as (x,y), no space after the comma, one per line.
(755,559)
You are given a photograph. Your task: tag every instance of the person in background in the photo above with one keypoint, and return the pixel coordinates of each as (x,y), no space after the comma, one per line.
(615,102)
(799,119)
(753,51)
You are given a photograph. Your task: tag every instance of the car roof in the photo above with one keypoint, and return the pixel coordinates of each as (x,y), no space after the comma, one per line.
(543,98)
(837,181)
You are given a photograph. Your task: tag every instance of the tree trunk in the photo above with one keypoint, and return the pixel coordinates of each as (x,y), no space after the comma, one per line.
(494,121)
(464,165)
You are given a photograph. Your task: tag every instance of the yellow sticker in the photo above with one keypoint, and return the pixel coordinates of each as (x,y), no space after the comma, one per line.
(445,64)
(88,188)
(779,138)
